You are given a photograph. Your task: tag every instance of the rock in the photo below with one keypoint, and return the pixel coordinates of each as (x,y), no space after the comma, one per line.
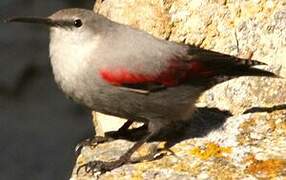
(104,123)
(248,142)
(251,145)
(241,94)
(151,16)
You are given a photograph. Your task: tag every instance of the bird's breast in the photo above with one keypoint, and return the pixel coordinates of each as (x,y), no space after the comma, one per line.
(71,63)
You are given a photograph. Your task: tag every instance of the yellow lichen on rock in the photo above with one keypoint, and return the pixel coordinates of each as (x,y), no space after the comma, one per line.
(210,150)
(268,168)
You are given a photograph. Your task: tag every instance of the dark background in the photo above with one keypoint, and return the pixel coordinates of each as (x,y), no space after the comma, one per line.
(39,126)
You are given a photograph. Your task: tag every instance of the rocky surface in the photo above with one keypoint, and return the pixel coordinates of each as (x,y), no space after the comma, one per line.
(251,145)
(245,137)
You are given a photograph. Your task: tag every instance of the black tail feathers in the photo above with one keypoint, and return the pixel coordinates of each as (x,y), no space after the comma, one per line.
(249,71)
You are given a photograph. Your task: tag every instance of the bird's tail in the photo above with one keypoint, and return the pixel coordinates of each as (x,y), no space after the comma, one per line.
(218,67)
(243,68)
(248,70)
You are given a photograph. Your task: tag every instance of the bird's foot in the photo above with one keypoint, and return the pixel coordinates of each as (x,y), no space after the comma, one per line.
(101,166)
(91,142)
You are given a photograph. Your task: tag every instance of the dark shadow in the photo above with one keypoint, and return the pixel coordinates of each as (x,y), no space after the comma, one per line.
(29,73)
(265,109)
(203,122)
(39,126)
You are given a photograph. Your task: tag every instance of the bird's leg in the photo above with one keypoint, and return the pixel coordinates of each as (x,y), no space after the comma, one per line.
(126,133)
(125,127)
(94,141)
(103,166)
(155,154)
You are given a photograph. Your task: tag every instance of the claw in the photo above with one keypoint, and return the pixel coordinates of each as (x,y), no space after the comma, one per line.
(79,146)
(91,142)
(80,167)
(100,166)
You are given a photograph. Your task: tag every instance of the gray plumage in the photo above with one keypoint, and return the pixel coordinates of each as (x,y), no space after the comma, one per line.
(100,43)
(83,44)
(77,60)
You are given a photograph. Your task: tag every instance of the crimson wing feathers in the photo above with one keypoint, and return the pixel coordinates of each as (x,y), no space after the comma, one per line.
(198,64)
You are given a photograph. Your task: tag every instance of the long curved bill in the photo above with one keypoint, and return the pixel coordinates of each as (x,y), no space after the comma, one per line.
(39,20)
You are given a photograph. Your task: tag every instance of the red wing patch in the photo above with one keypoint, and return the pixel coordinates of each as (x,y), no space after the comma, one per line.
(121,76)
(176,73)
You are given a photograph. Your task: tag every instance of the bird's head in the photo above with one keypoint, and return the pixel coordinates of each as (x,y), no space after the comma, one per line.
(75,24)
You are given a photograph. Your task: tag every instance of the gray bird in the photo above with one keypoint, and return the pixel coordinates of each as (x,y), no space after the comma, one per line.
(118,70)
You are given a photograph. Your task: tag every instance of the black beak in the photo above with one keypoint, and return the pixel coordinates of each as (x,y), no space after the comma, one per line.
(39,20)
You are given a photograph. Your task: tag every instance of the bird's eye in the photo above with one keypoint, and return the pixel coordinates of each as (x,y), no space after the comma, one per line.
(77,23)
